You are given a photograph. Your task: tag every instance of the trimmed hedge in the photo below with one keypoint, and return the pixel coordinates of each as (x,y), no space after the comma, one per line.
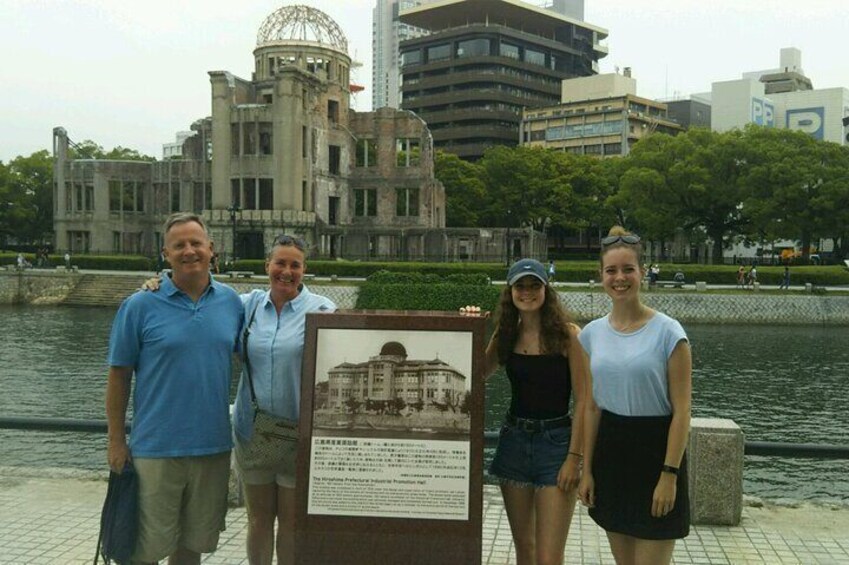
(388,290)
(97,262)
(324,268)
(471,273)
(727,274)
(388,277)
(442,296)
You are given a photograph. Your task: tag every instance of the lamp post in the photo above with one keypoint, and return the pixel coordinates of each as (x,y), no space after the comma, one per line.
(233,208)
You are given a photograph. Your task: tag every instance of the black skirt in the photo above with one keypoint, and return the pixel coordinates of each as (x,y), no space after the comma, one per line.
(627,461)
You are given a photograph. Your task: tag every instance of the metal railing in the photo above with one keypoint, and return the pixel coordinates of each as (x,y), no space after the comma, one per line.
(759,448)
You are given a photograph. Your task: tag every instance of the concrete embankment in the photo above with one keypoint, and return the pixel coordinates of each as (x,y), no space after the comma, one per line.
(38,287)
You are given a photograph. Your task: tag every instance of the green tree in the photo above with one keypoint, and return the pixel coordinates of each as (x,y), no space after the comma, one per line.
(464,189)
(795,185)
(586,184)
(699,187)
(26,198)
(525,186)
(88,149)
(647,201)
(125,154)
(835,191)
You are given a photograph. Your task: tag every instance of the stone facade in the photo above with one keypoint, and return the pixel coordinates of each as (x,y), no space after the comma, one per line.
(390,375)
(282,152)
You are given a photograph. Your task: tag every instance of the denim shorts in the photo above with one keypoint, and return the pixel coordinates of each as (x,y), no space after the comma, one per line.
(525,458)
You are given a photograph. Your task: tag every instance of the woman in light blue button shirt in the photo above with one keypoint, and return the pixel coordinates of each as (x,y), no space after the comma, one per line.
(275,349)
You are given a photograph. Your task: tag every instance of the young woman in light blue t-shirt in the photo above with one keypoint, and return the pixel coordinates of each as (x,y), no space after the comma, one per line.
(638,417)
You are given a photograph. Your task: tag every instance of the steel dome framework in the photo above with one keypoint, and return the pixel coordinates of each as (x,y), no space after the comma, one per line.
(302,23)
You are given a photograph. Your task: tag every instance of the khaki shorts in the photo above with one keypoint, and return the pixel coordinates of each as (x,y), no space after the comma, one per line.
(283,474)
(182,504)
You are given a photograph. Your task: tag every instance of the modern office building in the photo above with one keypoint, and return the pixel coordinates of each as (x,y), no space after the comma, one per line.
(175,149)
(781,98)
(484,61)
(387,33)
(788,77)
(693,112)
(571,8)
(282,152)
(599,115)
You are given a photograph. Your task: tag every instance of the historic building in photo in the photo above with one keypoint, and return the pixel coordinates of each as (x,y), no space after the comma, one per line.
(282,152)
(484,61)
(390,375)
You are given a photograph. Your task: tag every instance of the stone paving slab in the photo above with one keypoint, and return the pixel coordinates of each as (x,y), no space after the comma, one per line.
(50,521)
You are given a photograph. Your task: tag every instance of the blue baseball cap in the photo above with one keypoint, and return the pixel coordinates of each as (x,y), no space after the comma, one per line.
(525,268)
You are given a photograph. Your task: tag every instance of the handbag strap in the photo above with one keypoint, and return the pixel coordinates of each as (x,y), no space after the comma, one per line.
(246,360)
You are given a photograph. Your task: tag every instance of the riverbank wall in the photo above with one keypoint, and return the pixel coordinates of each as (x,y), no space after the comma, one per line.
(795,308)
(36,287)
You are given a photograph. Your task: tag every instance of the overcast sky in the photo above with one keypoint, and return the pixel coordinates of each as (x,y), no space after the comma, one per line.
(134,73)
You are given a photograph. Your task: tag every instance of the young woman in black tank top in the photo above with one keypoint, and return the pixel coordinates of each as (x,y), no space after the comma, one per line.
(539,452)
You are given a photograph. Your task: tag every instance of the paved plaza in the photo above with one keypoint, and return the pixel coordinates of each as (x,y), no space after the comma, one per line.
(54,520)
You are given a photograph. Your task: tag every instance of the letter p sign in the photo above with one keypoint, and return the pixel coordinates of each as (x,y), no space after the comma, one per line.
(808,120)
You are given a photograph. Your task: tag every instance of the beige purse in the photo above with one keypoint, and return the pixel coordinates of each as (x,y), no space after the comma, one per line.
(274,439)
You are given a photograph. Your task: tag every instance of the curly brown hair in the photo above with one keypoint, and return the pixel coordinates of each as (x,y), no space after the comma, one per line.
(554,322)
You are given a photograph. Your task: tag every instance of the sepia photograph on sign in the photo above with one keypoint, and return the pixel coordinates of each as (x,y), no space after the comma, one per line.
(392,383)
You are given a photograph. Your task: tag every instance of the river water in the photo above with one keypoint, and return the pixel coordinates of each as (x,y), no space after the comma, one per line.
(787,384)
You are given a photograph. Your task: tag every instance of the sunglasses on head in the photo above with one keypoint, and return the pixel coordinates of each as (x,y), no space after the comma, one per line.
(630,239)
(287,240)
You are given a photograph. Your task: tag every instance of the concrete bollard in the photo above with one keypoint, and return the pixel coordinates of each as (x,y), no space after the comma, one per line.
(756,286)
(809,288)
(715,463)
(701,286)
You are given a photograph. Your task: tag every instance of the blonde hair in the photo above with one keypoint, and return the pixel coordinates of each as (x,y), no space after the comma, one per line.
(637,248)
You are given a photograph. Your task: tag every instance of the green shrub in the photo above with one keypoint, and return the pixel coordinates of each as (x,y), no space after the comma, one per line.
(389,277)
(96,262)
(390,290)
(442,296)
(480,279)
(772,275)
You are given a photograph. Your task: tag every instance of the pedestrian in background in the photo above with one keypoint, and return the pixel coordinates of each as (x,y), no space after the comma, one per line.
(785,281)
(752,276)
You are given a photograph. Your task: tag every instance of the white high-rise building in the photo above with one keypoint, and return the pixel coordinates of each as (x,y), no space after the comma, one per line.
(387,32)
(569,8)
(782,98)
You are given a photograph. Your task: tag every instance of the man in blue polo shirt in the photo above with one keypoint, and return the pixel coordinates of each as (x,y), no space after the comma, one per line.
(178,344)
